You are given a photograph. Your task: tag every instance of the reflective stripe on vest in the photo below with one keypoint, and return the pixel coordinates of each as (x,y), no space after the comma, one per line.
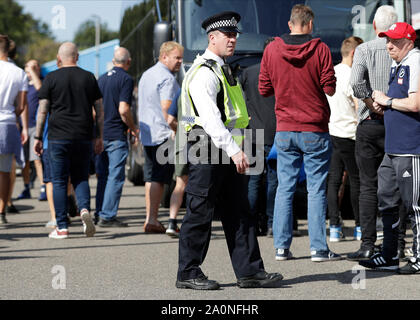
(234,104)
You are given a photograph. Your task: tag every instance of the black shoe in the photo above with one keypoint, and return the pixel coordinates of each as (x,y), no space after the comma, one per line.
(379,262)
(3,220)
(11,209)
(96,218)
(200,283)
(412,267)
(360,255)
(113,223)
(260,280)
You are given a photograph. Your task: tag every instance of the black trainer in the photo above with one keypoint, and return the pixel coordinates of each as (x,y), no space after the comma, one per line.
(199,283)
(379,262)
(412,267)
(113,223)
(260,280)
(360,255)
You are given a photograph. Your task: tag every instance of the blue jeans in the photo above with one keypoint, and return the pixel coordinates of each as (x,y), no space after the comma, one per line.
(69,158)
(254,189)
(314,150)
(110,168)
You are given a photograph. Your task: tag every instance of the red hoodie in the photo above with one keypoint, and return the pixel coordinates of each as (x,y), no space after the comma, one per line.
(299,76)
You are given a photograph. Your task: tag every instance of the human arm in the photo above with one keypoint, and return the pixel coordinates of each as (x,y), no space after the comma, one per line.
(99,121)
(408,104)
(43,109)
(203,90)
(265,86)
(327,77)
(173,122)
(127,118)
(24,117)
(359,79)
(31,68)
(173,112)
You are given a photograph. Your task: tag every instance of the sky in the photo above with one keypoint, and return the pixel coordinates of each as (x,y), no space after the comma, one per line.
(65,16)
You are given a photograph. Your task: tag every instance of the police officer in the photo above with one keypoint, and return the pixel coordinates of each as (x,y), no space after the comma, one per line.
(213,109)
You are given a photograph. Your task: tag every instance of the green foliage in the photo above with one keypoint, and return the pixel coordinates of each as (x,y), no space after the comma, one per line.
(140,43)
(85,34)
(23,29)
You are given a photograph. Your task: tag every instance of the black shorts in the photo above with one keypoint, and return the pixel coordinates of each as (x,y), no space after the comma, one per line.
(153,170)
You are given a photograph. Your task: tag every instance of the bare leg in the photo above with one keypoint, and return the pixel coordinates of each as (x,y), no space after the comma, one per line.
(26,173)
(4,190)
(12,182)
(49,187)
(177,196)
(38,168)
(154,192)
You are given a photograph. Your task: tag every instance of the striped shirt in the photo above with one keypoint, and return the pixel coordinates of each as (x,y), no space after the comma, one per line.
(370,71)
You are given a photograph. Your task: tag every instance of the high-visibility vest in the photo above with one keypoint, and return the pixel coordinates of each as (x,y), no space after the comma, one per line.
(232,108)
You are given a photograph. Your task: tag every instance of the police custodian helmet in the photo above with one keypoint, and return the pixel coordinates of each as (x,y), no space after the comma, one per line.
(226,21)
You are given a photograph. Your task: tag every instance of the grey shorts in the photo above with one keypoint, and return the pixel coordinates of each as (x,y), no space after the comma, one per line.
(6,161)
(28,148)
(181,167)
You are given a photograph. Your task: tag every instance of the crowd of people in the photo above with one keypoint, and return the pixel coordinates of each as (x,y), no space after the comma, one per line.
(358,120)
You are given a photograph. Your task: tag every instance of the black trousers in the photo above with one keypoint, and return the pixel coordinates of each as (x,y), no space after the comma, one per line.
(217,188)
(369,150)
(343,158)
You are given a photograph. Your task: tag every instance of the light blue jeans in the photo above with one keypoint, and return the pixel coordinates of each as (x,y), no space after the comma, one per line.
(110,168)
(314,150)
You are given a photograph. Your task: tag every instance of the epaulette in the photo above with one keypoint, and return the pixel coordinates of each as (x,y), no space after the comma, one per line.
(209,63)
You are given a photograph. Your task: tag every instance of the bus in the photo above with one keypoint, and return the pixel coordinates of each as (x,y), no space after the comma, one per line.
(334,21)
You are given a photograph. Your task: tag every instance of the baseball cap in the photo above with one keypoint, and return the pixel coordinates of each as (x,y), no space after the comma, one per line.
(400,30)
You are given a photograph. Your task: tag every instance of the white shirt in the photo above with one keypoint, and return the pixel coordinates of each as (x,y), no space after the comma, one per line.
(203,90)
(343,119)
(12,81)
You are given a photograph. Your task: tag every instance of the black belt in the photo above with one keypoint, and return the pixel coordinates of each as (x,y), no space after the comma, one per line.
(372,121)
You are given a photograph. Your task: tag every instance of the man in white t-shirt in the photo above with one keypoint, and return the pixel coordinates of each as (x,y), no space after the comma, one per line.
(13,87)
(342,127)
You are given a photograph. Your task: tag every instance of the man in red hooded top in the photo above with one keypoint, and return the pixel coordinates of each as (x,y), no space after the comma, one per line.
(299,71)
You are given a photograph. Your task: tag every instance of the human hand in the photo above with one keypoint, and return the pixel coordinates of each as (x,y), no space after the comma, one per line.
(38,147)
(24,136)
(241,161)
(99,145)
(380,97)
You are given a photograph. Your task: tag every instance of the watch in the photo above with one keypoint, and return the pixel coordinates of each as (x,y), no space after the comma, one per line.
(389,103)
(38,138)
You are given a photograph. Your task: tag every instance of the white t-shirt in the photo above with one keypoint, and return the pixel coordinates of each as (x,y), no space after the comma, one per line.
(12,80)
(343,119)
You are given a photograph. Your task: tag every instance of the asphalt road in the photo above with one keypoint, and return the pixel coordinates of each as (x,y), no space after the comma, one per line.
(121,264)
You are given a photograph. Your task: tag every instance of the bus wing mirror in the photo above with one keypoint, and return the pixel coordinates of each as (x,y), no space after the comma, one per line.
(162,32)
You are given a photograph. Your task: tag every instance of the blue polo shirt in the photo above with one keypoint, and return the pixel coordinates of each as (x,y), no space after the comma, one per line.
(116,86)
(402,129)
(33,104)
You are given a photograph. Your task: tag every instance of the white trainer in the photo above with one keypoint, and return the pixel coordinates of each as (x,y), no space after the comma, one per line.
(88,225)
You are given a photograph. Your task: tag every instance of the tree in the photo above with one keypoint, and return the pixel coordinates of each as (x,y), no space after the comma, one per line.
(21,28)
(44,49)
(85,34)
(140,43)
